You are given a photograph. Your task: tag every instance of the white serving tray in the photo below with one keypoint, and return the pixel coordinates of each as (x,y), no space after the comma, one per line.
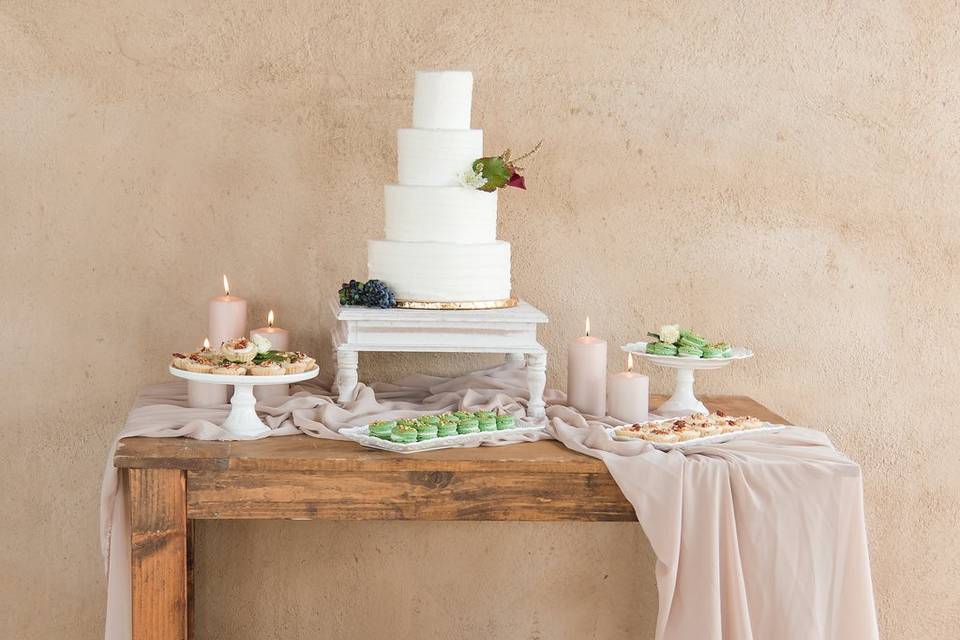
(720,438)
(362,436)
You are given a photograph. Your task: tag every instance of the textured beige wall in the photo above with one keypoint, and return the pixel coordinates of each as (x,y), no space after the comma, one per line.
(782,174)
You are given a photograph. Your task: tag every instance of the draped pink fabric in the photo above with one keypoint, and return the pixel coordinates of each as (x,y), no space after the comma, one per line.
(760,538)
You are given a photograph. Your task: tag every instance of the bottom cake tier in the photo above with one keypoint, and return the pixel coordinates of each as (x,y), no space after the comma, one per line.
(440,271)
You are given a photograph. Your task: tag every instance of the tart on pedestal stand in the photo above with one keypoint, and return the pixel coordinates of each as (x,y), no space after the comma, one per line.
(683,402)
(243,420)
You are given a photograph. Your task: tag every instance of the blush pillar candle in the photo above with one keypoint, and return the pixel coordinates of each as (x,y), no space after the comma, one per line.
(279,338)
(204,394)
(587,374)
(227,318)
(628,394)
(279,341)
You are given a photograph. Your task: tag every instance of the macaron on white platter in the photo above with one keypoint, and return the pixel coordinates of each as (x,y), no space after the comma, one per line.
(683,402)
(523,432)
(243,420)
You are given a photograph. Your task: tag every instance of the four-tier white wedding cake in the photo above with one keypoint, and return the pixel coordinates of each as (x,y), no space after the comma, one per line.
(441,237)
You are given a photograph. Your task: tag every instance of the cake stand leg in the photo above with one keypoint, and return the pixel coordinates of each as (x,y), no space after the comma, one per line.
(514,360)
(536,381)
(347,362)
(243,420)
(682,402)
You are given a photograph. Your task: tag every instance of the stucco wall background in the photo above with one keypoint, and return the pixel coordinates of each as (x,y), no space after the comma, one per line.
(784,175)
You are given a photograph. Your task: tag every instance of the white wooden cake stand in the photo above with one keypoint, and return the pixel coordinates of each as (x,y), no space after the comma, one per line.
(511,331)
(243,420)
(683,402)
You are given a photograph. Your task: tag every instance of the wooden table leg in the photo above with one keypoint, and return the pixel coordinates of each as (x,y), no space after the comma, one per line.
(158,553)
(191,585)
(347,363)
(536,381)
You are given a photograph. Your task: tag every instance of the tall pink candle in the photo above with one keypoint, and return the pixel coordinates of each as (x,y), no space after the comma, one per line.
(587,374)
(227,318)
(279,338)
(628,394)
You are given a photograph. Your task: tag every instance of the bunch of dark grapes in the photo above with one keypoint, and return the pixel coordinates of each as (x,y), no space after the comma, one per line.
(373,293)
(351,293)
(376,294)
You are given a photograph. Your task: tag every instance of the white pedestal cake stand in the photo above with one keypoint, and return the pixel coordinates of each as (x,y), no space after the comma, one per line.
(511,331)
(683,402)
(243,420)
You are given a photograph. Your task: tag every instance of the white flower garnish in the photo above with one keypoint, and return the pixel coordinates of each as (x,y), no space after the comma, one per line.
(670,333)
(471,179)
(263,344)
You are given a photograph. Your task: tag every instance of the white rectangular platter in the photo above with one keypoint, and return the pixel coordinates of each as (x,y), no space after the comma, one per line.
(362,436)
(717,439)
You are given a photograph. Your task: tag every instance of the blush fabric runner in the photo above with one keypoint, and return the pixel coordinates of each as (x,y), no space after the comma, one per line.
(762,537)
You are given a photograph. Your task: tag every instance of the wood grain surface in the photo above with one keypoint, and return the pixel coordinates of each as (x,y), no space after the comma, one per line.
(158,554)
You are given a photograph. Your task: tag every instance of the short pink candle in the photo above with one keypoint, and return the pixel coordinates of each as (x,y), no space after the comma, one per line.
(587,374)
(203,394)
(279,338)
(273,394)
(628,394)
(227,318)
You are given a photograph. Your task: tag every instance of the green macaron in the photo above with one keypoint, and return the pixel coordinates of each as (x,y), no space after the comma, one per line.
(382,428)
(710,352)
(427,431)
(717,350)
(468,425)
(661,349)
(403,434)
(506,421)
(447,428)
(691,339)
(686,351)
(487,423)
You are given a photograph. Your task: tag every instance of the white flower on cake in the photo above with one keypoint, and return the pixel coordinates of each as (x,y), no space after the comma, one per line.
(263,344)
(472,179)
(670,333)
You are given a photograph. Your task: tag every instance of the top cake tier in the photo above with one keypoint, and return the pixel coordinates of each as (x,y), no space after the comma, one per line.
(442,99)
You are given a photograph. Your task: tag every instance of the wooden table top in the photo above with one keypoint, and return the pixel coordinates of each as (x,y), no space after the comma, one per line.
(305,453)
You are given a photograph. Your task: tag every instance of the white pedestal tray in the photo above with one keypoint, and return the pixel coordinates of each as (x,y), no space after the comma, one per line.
(511,331)
(683,402)
(243,420)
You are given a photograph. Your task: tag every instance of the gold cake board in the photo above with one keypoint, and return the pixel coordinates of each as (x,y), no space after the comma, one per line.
(457,306)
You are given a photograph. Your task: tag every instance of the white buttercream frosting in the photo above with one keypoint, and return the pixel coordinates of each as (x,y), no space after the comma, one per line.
(436,157)
(439,214)
(442,272)
(442,99)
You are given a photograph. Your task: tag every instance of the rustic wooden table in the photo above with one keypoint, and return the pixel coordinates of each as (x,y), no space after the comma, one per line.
(174,480)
